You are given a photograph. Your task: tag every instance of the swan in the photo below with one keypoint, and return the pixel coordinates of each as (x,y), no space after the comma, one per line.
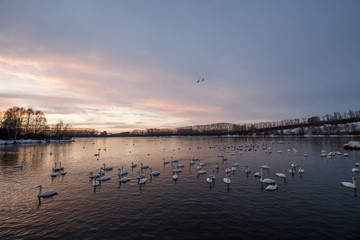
(195,159)
(176,170)
(154,173)
(233,169)
(47,193)
(271,187)
(236,164)
(345,154)
(247,170)
(102,172)
(192,162)
(227,180)
(140,176)
(349,184)
(53,174)
(63,172)
(144,166)
(301,170)
(61,168)
(174,160)
(202,164)
(166,162)
(133,164)
(96,183)
(227,170)
(292,171)
(266,166)
(198,167)
(266,180)
(107,168)
(175,176)
(355,170)
(104,178)
(282,175)
(122,172)
(19,166)
(124,179)
(212,176)
(357,164)
(293,165)
(257,174)
(143,181)
(180,165)
(201,172)
(217,166)
(56,168)
(209,180)
(94,175)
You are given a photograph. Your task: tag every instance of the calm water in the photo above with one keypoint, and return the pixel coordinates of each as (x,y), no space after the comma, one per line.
(311,205)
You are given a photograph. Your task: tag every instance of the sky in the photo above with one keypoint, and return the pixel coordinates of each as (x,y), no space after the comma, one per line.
(122,65)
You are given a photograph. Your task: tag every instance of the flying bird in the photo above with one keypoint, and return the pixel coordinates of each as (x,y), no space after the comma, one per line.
(200,80)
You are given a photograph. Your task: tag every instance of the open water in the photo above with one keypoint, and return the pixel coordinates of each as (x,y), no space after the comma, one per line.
(312,205)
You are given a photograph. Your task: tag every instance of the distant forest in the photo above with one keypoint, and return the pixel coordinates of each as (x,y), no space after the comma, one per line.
(21,123)
(347,123)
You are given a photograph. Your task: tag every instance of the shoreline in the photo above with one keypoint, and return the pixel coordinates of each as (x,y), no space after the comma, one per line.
(33,141)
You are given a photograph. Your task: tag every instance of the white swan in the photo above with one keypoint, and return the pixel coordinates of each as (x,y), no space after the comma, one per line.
(202,164)
(176,170)
(166,162)
(257,174)
(236,164)
(175,176)
(349,184)
(96,183)
(104,178)
(227,180)
(143,181)
(209,180)
(355,170)
(271,187)
(301,170)
(247,170)
(282,175)
(154,173)
(144,166)
(133,164)
(63,172)
(122,171)
(94,175)
(292,171)
(266,166)
(124,179)
(61,168)
(266,180)
(227,170)
(217,166)
(192,162)
(107,168)
(201,172)
(233,169)
(180,165)
(174,160)
(19,166)
(47,193)
(56,168)
(53,174)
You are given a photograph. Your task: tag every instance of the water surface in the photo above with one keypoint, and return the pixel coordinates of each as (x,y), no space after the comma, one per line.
(311,205)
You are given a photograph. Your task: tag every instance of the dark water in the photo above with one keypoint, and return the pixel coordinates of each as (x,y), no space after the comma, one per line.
(313,205)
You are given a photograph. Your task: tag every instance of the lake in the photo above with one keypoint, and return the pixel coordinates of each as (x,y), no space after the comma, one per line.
(312,205)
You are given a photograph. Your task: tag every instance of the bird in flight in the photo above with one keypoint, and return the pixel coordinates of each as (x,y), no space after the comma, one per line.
(200,80)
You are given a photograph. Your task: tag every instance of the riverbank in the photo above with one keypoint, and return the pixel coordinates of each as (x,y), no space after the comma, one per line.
(33,141)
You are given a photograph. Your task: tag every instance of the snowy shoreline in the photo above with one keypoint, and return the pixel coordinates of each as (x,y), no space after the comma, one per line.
(32,141)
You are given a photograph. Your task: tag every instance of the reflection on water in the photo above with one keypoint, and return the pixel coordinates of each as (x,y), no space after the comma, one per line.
(308,205)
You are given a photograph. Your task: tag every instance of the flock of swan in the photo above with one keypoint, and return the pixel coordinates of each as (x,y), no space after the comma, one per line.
(271,184)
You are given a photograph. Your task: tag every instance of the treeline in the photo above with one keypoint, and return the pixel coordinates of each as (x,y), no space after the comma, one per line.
(329,124)
(22,123)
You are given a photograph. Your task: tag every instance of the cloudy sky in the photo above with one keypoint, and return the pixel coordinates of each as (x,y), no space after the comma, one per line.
(121,65)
